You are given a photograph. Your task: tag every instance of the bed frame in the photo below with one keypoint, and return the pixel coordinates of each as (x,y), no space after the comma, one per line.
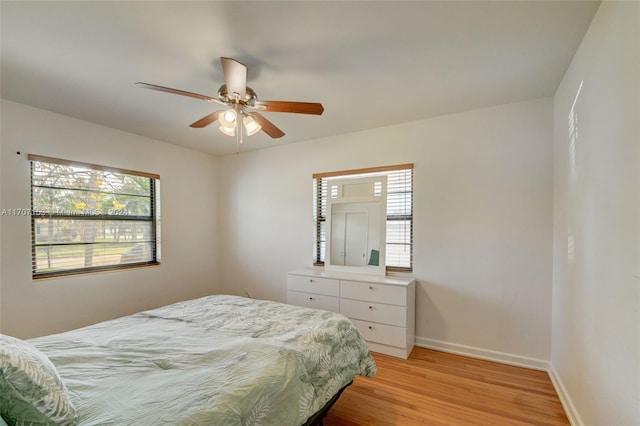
(318,418)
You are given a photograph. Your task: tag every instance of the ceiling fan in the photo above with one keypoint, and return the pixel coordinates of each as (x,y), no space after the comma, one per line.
(241,115)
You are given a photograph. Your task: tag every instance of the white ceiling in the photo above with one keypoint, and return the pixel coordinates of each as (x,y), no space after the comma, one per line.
(370,63)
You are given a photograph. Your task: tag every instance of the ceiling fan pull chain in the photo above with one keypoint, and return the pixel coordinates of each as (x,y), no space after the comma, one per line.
(239,125)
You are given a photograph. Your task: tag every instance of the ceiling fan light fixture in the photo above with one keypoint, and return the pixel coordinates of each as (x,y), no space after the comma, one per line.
(251,125)
(228,118)
(228,130)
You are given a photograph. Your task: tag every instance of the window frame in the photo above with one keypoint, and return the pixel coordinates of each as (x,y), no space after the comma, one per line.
(320,207)
(152,218)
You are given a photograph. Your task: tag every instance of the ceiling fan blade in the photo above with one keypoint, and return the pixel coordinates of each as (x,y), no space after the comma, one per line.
(179,92)
(293,107)
(206,120)
(267,126)
(235,75)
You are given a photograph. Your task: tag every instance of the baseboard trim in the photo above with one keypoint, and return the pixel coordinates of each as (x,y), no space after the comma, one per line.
(487,354)
(565,399)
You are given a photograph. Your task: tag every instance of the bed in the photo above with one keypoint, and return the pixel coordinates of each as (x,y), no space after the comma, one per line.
(216,360)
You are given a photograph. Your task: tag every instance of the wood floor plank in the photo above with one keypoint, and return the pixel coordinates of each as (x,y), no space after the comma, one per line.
(438,388)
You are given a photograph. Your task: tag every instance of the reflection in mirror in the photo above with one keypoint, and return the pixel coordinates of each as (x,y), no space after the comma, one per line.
(357,225)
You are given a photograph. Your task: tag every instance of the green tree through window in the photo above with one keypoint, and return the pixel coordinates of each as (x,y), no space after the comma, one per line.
(86,217)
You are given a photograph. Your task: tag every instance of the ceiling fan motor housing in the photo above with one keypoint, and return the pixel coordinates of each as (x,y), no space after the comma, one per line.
(249,99)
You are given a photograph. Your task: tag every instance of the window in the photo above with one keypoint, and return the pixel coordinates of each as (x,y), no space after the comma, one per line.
(399,246)
(87,218)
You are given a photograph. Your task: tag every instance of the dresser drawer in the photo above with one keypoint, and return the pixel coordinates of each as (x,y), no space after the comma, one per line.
(314,285)
(375,312)
(380,333)
(371,292)
(316,301)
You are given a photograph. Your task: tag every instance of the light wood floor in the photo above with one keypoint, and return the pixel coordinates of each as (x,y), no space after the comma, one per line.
(436,388)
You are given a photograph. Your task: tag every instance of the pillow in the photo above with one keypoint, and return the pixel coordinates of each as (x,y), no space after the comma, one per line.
(31,391)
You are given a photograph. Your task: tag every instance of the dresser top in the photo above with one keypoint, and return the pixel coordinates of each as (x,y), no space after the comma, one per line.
(380,279)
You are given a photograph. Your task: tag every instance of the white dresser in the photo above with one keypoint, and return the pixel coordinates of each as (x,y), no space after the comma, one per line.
(381,307)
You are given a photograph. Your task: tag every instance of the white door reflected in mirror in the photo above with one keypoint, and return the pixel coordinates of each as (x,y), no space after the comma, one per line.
(349,238)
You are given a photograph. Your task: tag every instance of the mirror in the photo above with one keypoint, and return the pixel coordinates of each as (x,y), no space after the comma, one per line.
(356,231)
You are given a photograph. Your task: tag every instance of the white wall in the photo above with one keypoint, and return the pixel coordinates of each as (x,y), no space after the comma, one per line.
(483,222)
(596,325)
(189,225)
(0,223)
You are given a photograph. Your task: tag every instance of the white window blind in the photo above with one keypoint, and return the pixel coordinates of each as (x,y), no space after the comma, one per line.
(86,217)
(399,248)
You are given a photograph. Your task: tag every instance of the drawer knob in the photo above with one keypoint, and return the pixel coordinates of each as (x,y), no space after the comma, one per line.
(370,287)
(370,328)
(312,281)
(311,298)
(371,307)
